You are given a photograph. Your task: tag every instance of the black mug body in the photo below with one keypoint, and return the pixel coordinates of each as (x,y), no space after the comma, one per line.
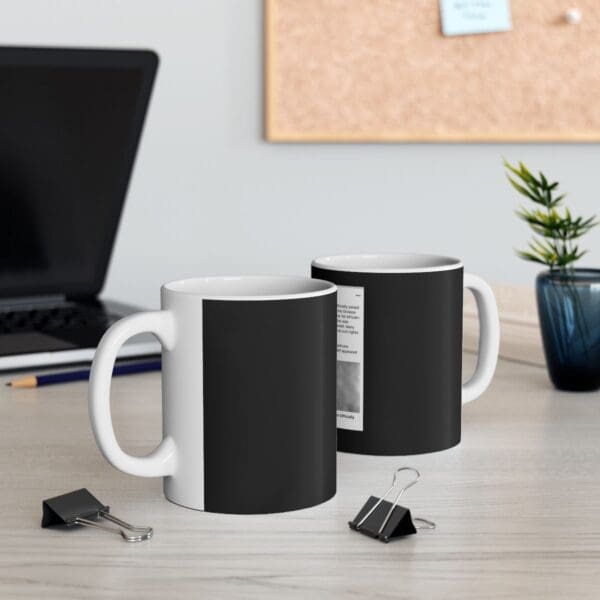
(399,359)
(269,404)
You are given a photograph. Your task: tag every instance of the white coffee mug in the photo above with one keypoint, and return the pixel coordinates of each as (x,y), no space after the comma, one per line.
(249,393)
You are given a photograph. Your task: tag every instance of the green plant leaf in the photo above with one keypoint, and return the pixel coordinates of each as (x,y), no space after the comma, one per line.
(526,175)
(531,257)
(524,191)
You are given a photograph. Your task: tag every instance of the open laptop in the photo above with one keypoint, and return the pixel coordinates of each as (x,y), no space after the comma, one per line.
(70,123)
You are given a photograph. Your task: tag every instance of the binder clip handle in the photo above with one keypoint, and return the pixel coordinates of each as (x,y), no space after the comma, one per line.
(137,533)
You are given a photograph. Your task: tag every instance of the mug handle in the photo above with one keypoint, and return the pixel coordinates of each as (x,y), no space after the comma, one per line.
(489,338)
(162,460)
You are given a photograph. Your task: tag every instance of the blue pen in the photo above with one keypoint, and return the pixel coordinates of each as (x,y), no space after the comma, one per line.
(82,375)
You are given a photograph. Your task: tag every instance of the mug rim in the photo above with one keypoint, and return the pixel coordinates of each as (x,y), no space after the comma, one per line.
(191,287)
(390,262)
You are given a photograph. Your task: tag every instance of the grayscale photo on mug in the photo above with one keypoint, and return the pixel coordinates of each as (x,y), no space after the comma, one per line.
(348,386)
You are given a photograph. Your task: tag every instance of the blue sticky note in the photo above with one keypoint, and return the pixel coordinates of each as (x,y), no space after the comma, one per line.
(464,17)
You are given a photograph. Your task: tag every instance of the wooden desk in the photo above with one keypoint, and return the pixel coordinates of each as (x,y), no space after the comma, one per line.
(517,506)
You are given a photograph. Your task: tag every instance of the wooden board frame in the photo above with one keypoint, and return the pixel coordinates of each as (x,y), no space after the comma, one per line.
(275,132)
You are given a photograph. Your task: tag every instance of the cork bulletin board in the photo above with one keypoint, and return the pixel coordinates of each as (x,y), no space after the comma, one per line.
(381,70)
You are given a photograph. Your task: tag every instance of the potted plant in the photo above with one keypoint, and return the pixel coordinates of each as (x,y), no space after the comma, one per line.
(568,298)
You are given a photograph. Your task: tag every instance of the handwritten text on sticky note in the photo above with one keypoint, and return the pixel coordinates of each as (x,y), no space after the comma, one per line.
(463,17)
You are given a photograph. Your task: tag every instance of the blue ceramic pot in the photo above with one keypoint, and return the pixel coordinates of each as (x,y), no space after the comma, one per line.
(569,310)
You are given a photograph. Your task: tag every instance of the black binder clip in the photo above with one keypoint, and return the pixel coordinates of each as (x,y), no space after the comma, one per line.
(81,508)
(383,520)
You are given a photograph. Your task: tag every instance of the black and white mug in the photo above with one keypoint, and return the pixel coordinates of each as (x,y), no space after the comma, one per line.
(249,393)
(399,369)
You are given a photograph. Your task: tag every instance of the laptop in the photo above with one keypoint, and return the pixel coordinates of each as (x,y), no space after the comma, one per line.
(70,124)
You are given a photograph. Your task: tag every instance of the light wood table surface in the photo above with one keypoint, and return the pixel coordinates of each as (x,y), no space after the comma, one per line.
(517,505)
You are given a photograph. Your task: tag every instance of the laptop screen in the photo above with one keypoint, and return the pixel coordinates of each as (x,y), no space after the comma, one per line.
(70,122)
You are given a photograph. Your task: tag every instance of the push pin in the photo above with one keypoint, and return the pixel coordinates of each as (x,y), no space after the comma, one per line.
(383,520)
(81,508)
(573,16)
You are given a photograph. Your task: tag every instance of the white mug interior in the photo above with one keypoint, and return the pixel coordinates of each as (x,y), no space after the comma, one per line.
(251,287)
(387,263)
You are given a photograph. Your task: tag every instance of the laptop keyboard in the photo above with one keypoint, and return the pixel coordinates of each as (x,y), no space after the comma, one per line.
(55,319)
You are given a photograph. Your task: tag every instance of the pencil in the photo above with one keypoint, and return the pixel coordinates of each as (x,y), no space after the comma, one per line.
(33,381)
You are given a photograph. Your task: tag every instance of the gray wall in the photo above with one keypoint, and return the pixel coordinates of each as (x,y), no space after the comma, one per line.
(209,196)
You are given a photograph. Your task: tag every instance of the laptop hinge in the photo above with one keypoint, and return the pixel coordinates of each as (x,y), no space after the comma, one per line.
(81,298)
